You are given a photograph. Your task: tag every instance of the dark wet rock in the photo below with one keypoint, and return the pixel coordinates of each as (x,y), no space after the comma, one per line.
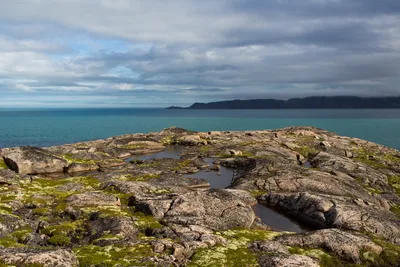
(26,256)
(32,160)
(346,245)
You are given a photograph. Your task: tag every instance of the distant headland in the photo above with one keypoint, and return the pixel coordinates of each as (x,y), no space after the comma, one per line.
(314,102)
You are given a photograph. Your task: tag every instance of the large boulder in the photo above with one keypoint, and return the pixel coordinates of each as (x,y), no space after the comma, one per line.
(32,160)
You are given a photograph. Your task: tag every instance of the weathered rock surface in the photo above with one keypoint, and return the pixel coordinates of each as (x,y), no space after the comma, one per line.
(339,212)
(345,245)
(217,210)
(32,160)
(54,258)
(113,207)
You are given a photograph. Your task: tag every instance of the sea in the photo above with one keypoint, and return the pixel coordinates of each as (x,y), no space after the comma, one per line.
(48,127)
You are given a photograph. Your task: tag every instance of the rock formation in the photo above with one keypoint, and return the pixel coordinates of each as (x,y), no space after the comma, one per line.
(99,203)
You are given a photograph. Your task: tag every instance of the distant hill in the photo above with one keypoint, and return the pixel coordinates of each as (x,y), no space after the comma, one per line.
(314,102)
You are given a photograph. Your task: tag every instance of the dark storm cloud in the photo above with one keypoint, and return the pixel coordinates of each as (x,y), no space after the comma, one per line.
(181,51)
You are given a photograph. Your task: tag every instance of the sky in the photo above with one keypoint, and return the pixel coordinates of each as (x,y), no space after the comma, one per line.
(157,53)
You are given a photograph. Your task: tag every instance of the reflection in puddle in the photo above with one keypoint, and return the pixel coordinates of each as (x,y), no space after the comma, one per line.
(219,180)
(170,152)
(222,179)
(307,164)
(277,221)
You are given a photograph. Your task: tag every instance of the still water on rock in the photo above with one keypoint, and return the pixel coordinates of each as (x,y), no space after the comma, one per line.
(222,179)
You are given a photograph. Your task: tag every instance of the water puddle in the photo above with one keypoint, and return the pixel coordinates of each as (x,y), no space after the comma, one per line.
(222,178)
(278,221)
(218,179)
(307,164)
(170,152)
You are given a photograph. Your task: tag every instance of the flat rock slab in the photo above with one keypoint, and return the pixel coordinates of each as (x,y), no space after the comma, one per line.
(214,209)
(26,256)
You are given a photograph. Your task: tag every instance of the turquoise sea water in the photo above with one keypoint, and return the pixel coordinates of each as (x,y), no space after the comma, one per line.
(59,126)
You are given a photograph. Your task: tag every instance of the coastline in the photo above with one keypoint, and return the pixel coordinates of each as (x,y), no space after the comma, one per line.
(84,200)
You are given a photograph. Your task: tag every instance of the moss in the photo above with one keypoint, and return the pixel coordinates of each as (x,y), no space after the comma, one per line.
(247,235)
(371,162)
(3,264)
(71,159)
(41,211)
(139,178)
(205,149)
(144,221)
(326,260)
(247,143)
(390,256)
(5,208)
(258,193)
(134,147)
(90,256)
(236,252)
(395,209)
(394,182)
(331,261)
(183,164)
(66,229)
(375,159)
(168,140)
(59,240)
(21,234)
(245,154)
(3,165)
(9,241)
(224,257)
(306,151)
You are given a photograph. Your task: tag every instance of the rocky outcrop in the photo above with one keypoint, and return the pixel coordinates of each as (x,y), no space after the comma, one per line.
(116,208)
(339,212)
(346,245)
(274,254)
(214,209)
(32,160)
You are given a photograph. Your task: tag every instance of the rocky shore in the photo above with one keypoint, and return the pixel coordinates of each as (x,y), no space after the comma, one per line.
(102,203)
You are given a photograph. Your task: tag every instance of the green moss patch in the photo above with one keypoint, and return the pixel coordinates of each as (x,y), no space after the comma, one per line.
(59,240)
(235,253)
(230,256)
(71,159)
(144,221)
(394,182)
(91,256)
(3,165)
(139,178)
(183,164)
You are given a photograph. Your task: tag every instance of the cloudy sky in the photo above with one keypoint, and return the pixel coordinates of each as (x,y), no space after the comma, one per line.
(134,53)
